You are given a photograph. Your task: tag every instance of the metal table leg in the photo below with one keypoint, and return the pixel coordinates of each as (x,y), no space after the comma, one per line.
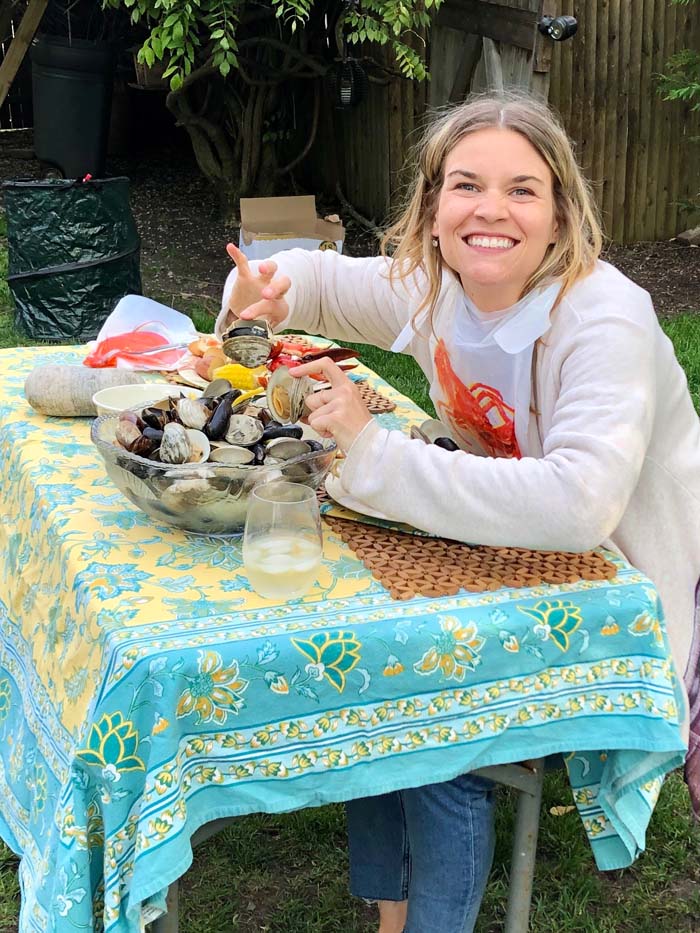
(527,779)
(168,923)
(522,865)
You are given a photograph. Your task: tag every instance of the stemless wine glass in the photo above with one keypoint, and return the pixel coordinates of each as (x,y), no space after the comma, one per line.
(282,541)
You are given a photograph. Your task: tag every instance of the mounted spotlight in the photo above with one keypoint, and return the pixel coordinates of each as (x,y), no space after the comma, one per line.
(558,28)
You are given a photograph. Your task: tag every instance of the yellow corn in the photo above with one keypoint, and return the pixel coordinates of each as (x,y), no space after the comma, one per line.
(251,393)
(239,376)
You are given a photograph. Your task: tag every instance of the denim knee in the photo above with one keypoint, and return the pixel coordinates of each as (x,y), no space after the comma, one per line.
(433,844)
(450,829)
(379,856)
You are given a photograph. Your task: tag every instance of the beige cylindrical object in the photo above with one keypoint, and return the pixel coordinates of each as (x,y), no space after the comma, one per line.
(66,391)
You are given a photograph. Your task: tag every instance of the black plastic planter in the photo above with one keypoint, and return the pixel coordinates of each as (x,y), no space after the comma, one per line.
(72,90)
(73,252)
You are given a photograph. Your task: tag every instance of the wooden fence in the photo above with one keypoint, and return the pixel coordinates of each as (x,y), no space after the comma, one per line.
(633,145)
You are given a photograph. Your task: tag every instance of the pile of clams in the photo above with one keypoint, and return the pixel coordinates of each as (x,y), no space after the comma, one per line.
(192,462)
(224,425)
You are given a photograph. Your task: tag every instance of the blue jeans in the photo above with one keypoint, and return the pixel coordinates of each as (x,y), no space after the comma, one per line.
(433,845)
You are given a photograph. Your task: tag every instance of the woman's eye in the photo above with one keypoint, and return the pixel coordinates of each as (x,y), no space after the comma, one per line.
(466,186)
(522,192)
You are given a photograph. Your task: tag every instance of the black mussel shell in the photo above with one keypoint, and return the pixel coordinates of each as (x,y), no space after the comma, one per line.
(275,429)
(446,443)
(259,451)
(217,425)
(313,444)
(155,418)
(248,330)
(153,434)
(144,446)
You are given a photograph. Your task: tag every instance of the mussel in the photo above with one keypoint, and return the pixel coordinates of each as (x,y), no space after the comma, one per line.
(435,432)
(274,429)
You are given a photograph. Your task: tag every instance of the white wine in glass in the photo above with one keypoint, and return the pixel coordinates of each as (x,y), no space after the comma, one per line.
(282,541)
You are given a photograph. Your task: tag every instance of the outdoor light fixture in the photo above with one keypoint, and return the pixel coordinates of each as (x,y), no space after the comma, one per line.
(349,83)
(558,27)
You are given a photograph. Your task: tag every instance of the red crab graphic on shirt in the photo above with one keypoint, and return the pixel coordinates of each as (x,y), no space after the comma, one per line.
(477,412)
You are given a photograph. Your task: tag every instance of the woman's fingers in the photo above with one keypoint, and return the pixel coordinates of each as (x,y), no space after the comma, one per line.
(278,287)
(265,271)
(239,258)
(325,367)
(272,305)
(337,409)
(318,399)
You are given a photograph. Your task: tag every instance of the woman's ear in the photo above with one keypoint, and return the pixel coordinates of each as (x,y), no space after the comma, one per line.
(434,228)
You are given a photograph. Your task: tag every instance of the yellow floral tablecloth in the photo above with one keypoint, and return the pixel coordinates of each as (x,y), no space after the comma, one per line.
(146,690)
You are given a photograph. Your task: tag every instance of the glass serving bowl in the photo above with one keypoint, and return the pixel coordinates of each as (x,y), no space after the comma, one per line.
(201,498)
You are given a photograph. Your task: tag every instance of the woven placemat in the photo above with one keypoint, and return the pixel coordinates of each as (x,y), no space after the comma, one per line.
(376,402)
(408,565)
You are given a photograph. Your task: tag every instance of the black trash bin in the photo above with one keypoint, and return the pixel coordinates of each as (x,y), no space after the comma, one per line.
(73,252)
(72,83)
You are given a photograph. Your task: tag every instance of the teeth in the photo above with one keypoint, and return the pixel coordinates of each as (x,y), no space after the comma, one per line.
(491,242)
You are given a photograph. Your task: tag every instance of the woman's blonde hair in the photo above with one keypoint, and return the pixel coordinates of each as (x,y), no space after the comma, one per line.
(579,236)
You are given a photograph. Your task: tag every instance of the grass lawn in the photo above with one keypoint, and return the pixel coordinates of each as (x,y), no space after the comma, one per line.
(287,874)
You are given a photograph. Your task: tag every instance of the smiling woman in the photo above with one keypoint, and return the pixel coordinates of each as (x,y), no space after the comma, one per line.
(572,413)
(494,228)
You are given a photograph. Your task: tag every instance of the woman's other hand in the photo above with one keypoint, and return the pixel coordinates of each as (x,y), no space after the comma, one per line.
(257,294)
(338,411)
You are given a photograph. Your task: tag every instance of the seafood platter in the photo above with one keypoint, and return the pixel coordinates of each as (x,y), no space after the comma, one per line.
(193,462)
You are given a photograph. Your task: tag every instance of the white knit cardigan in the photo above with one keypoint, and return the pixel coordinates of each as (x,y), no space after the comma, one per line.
(614,454)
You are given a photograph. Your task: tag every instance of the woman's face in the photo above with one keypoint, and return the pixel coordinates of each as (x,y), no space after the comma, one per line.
(495,216)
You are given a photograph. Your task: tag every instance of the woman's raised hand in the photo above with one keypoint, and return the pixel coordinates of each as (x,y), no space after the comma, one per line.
(338,411)
(258,294)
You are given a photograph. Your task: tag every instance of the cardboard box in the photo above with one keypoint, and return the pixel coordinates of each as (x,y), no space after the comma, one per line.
(269,225)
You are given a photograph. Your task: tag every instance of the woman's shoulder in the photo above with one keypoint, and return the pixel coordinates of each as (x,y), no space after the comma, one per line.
(608,293)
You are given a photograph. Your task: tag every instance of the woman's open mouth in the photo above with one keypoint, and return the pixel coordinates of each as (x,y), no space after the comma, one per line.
(478,241)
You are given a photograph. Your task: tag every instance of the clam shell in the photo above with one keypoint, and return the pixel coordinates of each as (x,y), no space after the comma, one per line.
(175,445)
(244,430)
(200,447)
(285,395)
(216,388)
(126,434)
(188,493)
(192,413)
(433,431)
(284,448)
(248,343)
(236,456)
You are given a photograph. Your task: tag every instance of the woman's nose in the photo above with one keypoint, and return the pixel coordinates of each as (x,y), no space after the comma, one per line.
(491,206)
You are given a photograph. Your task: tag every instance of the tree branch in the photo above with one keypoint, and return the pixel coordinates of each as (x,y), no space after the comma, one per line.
(312,134)
(369,225)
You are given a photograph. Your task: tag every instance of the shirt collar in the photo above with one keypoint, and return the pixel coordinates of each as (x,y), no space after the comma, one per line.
(526,320)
